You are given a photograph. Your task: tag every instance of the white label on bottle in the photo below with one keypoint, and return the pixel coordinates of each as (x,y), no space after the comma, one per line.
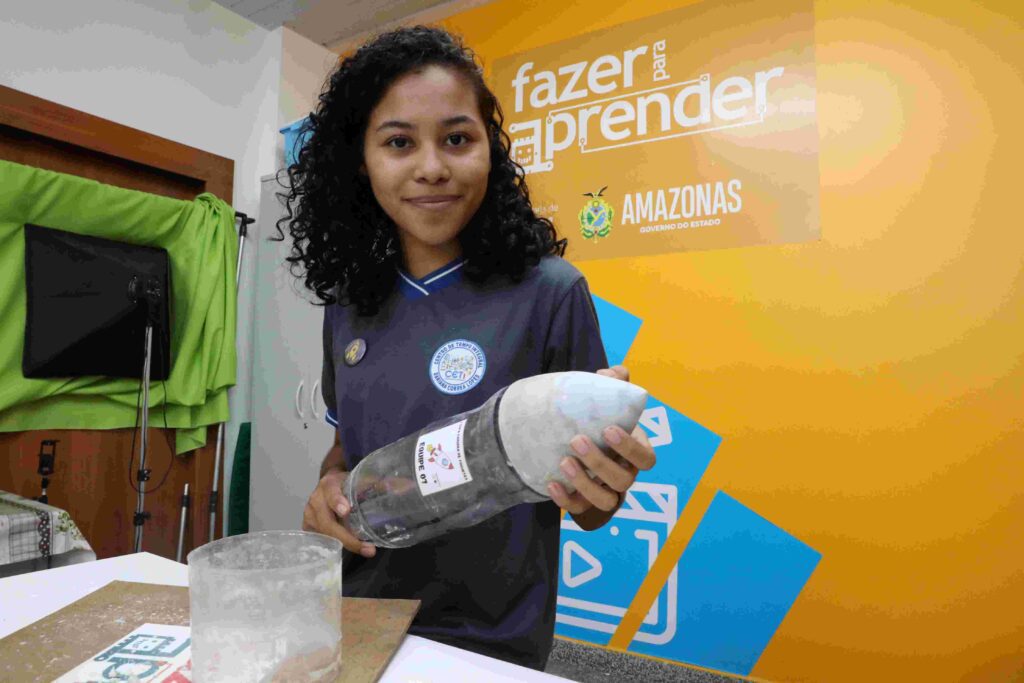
(440,459)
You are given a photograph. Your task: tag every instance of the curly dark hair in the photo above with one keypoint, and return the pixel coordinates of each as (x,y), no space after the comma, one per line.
(343,243)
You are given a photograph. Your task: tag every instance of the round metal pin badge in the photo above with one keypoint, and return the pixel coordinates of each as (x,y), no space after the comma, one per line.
(354,352)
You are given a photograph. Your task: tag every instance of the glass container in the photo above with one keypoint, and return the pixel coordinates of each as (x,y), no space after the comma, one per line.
(266,606)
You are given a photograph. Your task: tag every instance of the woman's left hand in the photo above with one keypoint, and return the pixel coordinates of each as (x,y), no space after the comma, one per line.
(596,500)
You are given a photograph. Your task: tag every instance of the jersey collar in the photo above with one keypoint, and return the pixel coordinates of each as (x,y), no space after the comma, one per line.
(430,283)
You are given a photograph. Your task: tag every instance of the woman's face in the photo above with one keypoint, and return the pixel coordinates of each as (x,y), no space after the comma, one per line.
(427,156)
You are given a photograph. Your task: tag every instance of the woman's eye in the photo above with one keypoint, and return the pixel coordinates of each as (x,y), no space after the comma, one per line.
(398,143)
(457,139)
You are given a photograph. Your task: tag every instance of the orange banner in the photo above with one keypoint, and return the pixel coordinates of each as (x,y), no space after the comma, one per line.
(693,129)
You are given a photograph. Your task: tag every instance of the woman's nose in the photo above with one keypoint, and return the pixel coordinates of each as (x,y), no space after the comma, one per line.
(431,166)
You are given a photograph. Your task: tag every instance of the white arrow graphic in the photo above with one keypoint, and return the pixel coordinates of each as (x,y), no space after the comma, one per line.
(656,421)
(592,572)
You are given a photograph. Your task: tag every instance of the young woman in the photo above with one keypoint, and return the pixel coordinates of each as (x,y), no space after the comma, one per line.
(412,224)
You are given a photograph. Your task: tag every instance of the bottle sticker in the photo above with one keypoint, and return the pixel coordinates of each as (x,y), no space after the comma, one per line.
(441,459)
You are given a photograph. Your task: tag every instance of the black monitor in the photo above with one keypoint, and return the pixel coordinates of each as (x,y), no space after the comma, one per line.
(88,302)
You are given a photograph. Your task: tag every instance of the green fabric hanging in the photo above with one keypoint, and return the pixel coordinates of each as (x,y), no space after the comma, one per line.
(200,239)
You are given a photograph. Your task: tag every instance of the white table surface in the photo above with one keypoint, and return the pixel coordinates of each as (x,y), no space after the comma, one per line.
(29,597)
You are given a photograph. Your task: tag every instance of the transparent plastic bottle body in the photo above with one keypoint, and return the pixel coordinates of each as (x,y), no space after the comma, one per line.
(464,469)
(389,507)
(266,606)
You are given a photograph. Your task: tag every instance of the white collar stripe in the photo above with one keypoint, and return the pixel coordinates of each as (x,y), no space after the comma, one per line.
(412,283)
(447,272)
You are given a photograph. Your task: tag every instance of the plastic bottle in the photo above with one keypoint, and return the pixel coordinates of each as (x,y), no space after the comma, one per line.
(464,469)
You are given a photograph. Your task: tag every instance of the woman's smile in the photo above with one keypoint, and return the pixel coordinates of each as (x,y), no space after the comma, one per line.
(434,202)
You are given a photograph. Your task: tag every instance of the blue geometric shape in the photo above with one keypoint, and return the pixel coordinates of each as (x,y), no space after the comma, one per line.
(295,139)
(627,546)
(618,329)
(736,580)
(683,449)
(738,577)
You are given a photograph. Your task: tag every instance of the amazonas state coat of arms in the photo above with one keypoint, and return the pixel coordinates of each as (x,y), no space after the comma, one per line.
(596,216)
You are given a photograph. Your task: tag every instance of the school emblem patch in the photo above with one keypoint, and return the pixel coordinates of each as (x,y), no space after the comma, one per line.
(596,216)
(457,366)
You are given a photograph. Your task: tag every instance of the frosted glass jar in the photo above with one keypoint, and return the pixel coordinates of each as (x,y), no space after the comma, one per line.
(266,606)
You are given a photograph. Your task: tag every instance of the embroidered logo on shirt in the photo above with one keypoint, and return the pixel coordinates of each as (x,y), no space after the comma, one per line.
(457,366)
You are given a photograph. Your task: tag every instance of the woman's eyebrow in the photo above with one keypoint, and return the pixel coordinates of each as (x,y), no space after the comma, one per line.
(395,124)
(404,125)
(456,120)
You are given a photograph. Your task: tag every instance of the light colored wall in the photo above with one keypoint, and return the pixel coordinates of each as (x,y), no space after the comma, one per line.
(304,66)
(190,71)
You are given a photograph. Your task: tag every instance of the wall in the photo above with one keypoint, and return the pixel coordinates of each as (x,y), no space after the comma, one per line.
(304,67)
(190,71)
(187,71)
(867,387)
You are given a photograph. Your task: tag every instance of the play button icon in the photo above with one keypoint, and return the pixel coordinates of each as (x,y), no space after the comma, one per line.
(593,570)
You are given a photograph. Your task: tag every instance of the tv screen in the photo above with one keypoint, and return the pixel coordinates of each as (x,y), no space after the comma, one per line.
(88,300)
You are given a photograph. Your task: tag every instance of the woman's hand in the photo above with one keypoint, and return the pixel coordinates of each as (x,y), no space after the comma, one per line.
(596,500)
(327,512)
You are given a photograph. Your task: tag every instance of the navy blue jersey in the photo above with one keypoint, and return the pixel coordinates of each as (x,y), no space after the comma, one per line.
(442,345)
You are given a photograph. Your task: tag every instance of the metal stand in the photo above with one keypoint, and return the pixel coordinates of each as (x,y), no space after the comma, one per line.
(243,230)
(143,474)
(216,477)
(47,455)
(185,502)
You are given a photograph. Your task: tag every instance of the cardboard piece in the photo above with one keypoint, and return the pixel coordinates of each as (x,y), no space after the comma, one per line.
(372,630)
